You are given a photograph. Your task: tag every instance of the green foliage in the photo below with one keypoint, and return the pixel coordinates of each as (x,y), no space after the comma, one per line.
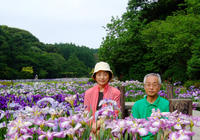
(91,80)
(75,67)
(86,133)
(19,49)
(136,72)
(27,69)
(6,83)
(3,133)
(170,44)
(52,63)
(42,73)
(84,54)
(151,10)
(196,84)
(27,72)
(193,6)
(8,73)
(159,37)
(193,68)
(174,73)
(122,48)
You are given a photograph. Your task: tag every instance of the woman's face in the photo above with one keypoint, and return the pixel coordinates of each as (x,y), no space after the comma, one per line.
(102,78)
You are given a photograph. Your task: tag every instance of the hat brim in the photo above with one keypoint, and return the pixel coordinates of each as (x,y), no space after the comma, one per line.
(103,70)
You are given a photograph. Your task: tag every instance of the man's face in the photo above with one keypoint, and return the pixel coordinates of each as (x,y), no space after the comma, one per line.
(152,86)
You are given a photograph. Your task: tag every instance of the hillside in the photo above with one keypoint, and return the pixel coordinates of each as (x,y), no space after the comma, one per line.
(22,55)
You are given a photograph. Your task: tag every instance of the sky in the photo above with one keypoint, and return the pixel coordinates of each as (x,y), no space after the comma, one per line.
(62,21)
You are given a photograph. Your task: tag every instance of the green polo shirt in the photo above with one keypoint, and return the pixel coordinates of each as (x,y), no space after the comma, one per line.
(143,109)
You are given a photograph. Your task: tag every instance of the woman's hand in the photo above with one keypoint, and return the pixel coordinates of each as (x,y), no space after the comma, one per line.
(96,127)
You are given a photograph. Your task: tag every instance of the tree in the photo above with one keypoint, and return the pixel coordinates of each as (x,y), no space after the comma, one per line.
(27,72)
(122,47)
(149,38)
(19,49)
(51,65)
(75,68)
(193,67)
(169,43)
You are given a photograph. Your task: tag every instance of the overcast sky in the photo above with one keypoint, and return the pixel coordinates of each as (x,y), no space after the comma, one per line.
(62,21)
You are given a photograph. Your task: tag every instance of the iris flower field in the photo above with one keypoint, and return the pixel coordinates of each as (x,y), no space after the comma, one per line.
(54,110)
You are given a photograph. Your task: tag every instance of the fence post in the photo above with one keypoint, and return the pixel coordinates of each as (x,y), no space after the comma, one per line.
(181,105)
(122,100)
(169,91)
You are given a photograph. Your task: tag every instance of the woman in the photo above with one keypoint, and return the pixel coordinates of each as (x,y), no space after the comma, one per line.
(102,75)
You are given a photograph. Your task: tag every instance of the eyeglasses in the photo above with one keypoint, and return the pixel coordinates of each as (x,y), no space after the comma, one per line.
(151,85)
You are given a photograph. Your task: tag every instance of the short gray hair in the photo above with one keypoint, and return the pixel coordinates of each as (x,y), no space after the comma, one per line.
(153,74)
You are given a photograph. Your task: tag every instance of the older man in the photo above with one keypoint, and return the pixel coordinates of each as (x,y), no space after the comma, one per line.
(143,108)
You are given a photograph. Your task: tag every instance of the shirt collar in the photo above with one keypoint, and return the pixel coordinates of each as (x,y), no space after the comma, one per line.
(155,103)
(105,88)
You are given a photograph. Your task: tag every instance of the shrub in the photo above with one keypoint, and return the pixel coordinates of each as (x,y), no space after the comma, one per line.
(6,83)
(196,84)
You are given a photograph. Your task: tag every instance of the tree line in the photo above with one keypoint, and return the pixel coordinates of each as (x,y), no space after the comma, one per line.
(22,55)
(160,36)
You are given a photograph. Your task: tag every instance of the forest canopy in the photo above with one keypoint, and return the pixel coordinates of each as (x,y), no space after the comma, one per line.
(22,55)
(161,36)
